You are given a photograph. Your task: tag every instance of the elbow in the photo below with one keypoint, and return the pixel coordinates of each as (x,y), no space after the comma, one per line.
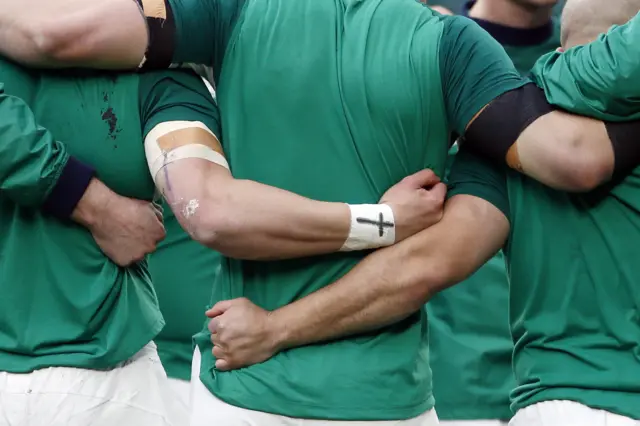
(209,223)
(49,43)
(587,172)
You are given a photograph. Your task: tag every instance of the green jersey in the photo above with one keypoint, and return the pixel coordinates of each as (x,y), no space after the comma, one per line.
(525,56)
(183,272)
(334,120)
(600,79)
(476,382)
(63,302)
(574,298)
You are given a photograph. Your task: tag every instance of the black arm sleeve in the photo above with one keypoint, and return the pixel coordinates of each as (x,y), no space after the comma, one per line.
(499,125)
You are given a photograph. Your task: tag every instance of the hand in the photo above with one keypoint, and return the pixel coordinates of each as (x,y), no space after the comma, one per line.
(417,202)
(242,334)
(125,229)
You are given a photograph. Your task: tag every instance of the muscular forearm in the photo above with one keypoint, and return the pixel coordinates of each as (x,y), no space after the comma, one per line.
(60,33)
(394,282)
(248,220)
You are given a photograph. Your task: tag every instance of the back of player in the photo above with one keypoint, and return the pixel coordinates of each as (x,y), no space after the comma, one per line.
(350,143)
(361,87)
(574,303)
(68,315)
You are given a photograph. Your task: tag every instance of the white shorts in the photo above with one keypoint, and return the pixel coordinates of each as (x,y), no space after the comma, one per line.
(134,393)
(568,413)
(207,410)
(473,423)
(181,391)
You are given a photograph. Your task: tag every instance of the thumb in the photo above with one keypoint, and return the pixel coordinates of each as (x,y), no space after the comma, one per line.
(219,308)
(423,179)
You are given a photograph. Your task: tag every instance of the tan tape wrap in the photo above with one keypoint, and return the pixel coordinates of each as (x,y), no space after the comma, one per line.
(176,140)
(154,9)
(188,136)
(513,158)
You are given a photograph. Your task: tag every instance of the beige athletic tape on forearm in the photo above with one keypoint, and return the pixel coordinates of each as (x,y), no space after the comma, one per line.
(177,140)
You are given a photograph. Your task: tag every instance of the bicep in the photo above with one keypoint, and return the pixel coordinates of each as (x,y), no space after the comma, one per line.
(565,151)
(86,33)
(561,150)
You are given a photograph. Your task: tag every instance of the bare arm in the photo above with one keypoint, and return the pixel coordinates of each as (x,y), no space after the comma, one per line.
(385,288)
(497,108)
(564,151)
(392,283)
(249,220)
(61,33)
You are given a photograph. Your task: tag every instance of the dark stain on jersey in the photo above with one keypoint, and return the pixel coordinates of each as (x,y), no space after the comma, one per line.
(112,120)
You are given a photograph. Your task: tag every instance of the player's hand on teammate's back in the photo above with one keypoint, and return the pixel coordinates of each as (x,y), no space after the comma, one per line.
(125,229)
(417,202)
(241,334)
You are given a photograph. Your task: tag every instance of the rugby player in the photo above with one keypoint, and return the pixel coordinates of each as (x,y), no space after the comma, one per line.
(470,343)
(75,341)
(291,94)
(605,75)
(573,296)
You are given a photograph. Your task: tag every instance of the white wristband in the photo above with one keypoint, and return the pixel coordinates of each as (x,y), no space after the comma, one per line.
(372,226)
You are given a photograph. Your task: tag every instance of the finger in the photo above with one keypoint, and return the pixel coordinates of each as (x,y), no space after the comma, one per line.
(424,178)
(214,326)
(223,365)
(219,308)
(439,191)
(218,352)
(215,339)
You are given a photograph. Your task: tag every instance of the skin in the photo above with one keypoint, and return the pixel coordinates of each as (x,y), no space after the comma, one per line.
(385,288)
(523,14)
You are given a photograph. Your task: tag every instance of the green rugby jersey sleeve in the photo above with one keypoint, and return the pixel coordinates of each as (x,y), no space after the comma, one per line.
(471,175)
(475,69)
(177,95)
(35,169)
(600,79)
(203,29)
